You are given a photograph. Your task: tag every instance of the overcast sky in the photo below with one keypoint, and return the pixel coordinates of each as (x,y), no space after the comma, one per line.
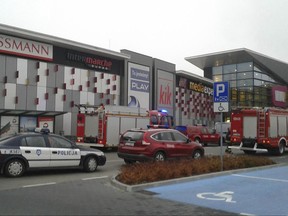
(169,30)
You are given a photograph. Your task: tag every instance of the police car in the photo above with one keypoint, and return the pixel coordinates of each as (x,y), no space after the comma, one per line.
(25,151)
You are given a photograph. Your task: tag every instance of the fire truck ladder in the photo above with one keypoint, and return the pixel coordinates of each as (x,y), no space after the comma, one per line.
(261,124)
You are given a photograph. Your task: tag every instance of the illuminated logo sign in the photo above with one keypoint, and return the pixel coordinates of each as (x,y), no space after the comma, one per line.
(92,62)
(199,87)
(27,48)
(165,95)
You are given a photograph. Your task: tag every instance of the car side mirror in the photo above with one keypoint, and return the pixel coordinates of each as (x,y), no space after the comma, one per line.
(188,140)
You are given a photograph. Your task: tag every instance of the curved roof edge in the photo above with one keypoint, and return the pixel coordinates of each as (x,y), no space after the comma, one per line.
(275,67)
(194,76)
(53,40)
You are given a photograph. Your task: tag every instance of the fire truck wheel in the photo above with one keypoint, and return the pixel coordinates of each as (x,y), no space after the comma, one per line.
(159,156)
(281,148)
(90,164)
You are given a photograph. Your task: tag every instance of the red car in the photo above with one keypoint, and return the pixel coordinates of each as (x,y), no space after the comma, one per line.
(201,134)
(156,144)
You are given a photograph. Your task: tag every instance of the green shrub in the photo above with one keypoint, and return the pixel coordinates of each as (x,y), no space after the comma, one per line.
(139,173)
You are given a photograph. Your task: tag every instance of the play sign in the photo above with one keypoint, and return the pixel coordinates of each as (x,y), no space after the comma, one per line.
(221,96)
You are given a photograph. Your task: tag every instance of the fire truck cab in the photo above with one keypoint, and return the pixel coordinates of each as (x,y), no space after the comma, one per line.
(259,129)
(160,119)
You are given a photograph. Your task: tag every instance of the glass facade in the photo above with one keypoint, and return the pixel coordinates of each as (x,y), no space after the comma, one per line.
(250,85)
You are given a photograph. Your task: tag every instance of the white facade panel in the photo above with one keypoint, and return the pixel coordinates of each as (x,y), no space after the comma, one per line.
(77,79)
(90,98)
(59,103)
(22,71)
(10,97)
(42,74)
(41,98)
(68,76)
(84,74)
(83,97)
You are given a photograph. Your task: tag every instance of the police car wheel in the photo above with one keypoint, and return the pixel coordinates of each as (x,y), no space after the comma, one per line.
(90,164)
(14,168)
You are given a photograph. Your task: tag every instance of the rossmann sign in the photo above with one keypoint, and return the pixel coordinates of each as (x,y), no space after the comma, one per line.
(26,48)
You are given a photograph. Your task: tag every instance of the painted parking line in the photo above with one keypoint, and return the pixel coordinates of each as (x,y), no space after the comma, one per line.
(39,185)
(261,192)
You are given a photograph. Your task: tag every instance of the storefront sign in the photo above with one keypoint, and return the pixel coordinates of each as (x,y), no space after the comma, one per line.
(27,48)
(200,88)
(279,96)
(90,61)
(165,91)
(138,85)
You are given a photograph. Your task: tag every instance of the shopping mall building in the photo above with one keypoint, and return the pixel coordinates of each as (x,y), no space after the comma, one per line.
(255,80)
(43,78)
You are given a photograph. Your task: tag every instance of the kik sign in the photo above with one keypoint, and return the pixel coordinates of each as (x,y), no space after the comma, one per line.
(165,93)
(221,96)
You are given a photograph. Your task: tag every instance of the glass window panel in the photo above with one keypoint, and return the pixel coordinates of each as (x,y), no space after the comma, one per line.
(232,84)
(217,70)
(228,77)
(244,83)
(234,94)
(265,77)
(257,75)
(258,82)
(247,66)
(56,142)
(256,68)
(229,69)
(217,78)
(241,96)
(244,75)
(35,141)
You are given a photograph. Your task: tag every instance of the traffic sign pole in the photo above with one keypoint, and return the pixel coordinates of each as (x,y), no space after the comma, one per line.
(221,104)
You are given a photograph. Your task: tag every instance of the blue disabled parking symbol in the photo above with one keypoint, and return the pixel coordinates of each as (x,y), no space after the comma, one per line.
(221,96)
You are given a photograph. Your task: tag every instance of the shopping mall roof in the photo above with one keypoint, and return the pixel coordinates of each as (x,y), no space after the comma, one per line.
(56,41)
(276,67)
(195,77)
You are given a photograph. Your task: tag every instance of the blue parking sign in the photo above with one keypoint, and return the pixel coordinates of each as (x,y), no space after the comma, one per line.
(221,91)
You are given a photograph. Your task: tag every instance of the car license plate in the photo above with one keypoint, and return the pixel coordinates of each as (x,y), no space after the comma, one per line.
(129,143)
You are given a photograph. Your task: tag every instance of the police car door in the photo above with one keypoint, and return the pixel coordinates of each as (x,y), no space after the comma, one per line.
(63,153)
(34,149)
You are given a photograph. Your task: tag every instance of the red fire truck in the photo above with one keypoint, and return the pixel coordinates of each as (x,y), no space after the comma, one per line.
(160,119)
(101,126)
(259,129)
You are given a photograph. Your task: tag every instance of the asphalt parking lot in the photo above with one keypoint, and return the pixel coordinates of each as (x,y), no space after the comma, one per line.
(258,192)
